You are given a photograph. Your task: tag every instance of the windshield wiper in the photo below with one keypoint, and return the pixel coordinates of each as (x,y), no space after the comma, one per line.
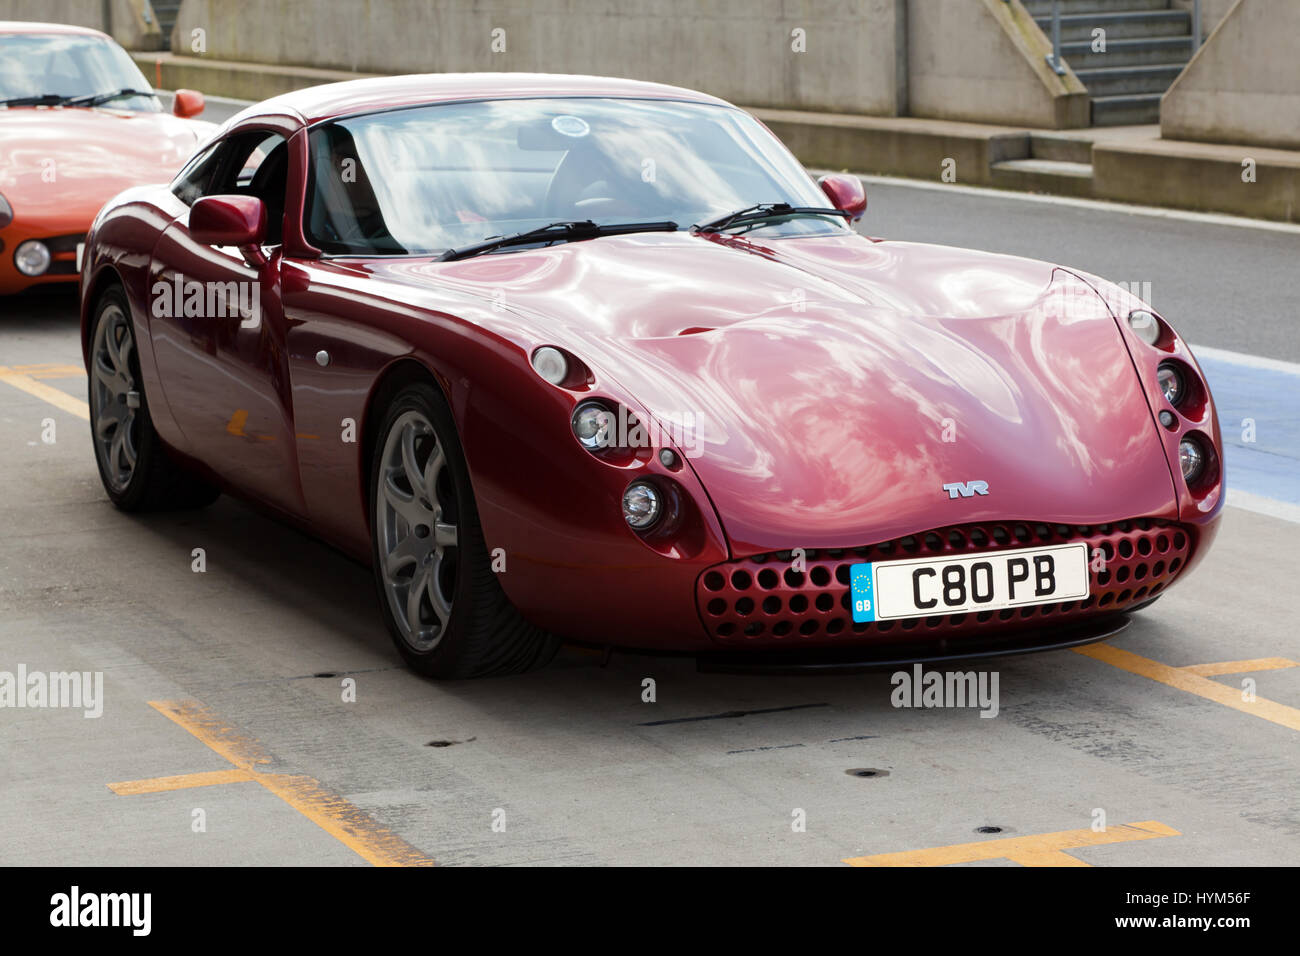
(96,99)
(40,99)
(762,211)
(565,231)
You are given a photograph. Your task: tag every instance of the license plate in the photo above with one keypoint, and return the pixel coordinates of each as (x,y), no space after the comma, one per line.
(922,587)
(81,252)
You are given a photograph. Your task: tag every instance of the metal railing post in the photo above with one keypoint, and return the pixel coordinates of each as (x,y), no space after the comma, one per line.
(1196,26)
(1054,61)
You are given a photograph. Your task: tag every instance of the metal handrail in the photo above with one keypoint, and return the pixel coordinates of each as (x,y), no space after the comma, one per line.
(1058,65)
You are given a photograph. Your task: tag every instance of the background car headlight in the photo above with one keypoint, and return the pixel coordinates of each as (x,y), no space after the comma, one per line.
(1144,325)
(1191,459)
(32,258)
(6,212)
(591,424)
(551,364)
(641,505)
(1170,381)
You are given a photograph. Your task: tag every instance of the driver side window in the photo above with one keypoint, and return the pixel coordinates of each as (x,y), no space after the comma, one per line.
(255,163)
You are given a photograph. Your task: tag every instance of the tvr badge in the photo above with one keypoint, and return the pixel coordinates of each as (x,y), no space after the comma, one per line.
(965,489)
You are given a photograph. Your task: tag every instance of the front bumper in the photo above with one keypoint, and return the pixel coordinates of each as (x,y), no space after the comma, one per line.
(764,602)
(63,255)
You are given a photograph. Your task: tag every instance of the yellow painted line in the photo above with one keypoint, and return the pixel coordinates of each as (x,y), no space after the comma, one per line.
(344,821)
(1041,849)
(1240,667)
(45,393)
(51,371)
(1184,679)
(183,781)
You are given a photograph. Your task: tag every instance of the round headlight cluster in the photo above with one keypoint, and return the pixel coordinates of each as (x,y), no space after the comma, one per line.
(32,258)
(642,504)
(592,425)
(1191,459)
(6,212)
(1170,381)
(1144,325)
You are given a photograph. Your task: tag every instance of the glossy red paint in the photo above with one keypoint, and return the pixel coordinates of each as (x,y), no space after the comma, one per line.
(228,221)
(188,103)
(59,165)
(846,193)
(829,422)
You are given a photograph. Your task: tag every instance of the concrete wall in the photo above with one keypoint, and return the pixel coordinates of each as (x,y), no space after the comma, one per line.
(741,50)
(133,25)
(1244,84)
(983,61)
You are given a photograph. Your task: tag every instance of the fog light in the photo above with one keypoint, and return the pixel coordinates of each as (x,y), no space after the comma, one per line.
(1144,325)
(591,424)
(551,364)
(1170,381)
(641,505)
(32,258)
(1191,459)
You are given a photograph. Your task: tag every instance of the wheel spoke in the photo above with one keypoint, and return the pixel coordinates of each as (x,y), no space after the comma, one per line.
(419,584)
(432,469)
(128,447)
(410,466)
(405,553)
(123,354)
(104,422)
(404,504)
(436,598)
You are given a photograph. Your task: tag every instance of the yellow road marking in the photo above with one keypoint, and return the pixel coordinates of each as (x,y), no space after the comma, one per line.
(237,422)
(1240,667)
(1041,849)
(344,821)
(1185,679)
(183,781)
(50,371)
(44,392)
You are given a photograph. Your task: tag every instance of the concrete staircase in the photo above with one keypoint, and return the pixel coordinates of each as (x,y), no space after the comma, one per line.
(166,11)
(1147,45)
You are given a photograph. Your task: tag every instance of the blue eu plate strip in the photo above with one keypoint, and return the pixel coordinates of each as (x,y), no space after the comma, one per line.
(861,593)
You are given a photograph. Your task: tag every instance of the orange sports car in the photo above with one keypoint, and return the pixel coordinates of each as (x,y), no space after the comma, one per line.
(78,124)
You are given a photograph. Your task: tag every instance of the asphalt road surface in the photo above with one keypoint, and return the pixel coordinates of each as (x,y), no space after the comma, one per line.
(256,713)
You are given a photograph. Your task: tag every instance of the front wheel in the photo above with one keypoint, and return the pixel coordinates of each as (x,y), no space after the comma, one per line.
(137,471)
(441,600)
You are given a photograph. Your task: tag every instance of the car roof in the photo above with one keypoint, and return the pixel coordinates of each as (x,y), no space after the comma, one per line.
(350,97)
(22,26)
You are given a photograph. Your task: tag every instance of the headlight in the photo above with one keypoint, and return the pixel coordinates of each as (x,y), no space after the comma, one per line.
(6,212)
(591,424)
(1170,381)
(641,505)
(32,258)
(1144,325)
(551,364)
(1191,459)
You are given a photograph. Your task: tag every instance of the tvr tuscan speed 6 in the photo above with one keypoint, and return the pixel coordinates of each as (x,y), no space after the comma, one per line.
(570,357)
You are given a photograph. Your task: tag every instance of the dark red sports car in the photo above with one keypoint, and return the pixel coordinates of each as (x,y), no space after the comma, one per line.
(597,359)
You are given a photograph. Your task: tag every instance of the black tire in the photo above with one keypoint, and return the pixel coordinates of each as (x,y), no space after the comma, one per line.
(156,482)
(483,634)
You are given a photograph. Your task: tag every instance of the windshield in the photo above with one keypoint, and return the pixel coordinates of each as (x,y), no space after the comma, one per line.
(423,180)
(69,65)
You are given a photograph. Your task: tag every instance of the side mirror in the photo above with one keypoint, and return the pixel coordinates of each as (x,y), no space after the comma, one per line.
(187,103)
(230,221)
(845,193)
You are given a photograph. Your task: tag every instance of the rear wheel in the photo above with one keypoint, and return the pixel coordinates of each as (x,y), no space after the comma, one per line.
(441,599)
(136,470)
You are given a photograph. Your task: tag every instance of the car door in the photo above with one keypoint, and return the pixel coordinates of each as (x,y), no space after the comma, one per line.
(219,330)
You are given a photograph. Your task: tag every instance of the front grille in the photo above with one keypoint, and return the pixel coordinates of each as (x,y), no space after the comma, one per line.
(763,599)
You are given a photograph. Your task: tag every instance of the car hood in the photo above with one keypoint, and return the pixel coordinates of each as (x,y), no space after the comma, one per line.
(826,389)
(58,166)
